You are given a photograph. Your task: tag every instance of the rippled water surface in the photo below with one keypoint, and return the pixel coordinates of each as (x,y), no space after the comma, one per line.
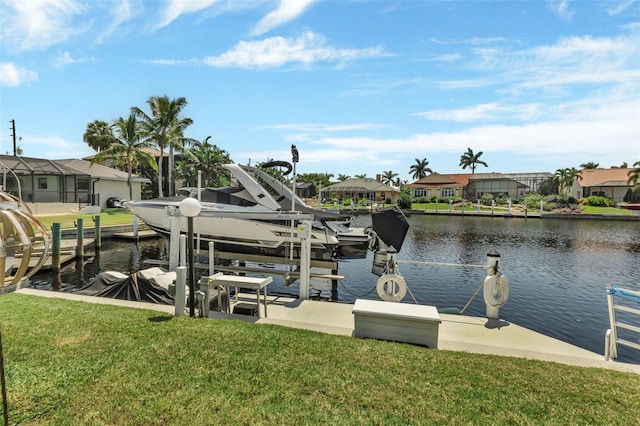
(558,270)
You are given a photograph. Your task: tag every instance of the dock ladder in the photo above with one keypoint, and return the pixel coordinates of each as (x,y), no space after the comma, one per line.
(625,300)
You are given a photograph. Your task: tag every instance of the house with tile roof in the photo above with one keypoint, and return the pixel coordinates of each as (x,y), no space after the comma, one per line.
(359,189)
(610,183)
(72,181)
(472,186)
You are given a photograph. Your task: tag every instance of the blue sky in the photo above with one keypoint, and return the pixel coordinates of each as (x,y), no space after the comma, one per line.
(361,87)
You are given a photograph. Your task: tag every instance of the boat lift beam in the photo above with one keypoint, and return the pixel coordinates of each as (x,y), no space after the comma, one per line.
(299,235)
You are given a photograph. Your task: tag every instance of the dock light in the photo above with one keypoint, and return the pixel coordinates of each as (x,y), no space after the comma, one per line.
(190,208)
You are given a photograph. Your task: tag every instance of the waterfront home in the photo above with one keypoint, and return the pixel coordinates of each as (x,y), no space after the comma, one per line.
(610,183)
(359,189)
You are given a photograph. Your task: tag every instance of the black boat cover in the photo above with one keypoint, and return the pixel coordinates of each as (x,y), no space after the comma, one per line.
(136,287)
(391,225)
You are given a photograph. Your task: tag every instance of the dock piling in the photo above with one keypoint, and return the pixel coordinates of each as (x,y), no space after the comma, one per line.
(80,240)
(56,231)
(97,233)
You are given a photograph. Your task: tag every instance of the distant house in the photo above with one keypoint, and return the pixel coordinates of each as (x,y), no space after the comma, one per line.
(610,183)
(149,173)
(472,186)
(39,180)
(305,190)
(441,186)
(107,182)
(361,189)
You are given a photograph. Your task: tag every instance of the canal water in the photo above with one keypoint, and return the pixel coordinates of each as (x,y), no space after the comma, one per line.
(558,270)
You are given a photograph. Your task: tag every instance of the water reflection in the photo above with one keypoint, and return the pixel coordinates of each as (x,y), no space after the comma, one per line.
(558,270)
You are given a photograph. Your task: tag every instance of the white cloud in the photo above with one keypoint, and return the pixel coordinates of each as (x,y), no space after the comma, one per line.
(14,76)
(484,112)
(122,12)
(278,51)
(176,8)
(34,25)
(65,59)
(618,7)
(286,11)
(561,7)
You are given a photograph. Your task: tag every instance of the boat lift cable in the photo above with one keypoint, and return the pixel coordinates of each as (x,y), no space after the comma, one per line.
(356,295)
(472,297)
(459,265)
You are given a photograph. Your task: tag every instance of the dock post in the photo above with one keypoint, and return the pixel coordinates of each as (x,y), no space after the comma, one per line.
(174,243)
(97,233)
(304,232)
(493,259)
(212,259)
(493,204)
(541,207)
(181,284)
(56,236)
(135,227)
(183,250)
(80,240)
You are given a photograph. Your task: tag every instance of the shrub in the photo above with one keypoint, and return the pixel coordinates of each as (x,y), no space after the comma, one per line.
(486,199)
(404,202)
(599,201)
(346,202)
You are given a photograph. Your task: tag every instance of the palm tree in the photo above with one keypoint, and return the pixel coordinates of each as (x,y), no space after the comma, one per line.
(165,128)
(420,169)
(469,159)
(362,176)
(128,144)
(342,178)
(590,165)
(634,174)
(388,177)
(209,160)
(98,135)
(565,178)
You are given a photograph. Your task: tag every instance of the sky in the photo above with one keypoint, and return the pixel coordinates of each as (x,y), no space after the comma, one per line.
(360,87)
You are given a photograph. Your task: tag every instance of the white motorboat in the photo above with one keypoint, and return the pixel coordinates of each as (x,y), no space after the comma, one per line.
(243,218)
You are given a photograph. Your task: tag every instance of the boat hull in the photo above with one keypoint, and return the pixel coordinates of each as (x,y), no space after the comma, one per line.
(239,234)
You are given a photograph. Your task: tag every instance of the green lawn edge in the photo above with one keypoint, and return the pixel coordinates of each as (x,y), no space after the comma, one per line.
(71,362)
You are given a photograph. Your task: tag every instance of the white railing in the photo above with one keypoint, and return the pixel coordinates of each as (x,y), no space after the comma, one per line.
(627,303)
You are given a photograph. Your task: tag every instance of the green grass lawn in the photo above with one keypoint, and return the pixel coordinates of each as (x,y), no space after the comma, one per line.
(113,216)
(72,363)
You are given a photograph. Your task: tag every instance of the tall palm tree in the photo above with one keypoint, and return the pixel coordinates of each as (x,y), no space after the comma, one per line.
(420,169)
(342,178)
(127,145)
(471,160)
(388,177)
(165,127)
(98,135)
(361,176)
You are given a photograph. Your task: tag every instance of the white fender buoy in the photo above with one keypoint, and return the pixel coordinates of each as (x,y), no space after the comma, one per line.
(391,287)
(496,290)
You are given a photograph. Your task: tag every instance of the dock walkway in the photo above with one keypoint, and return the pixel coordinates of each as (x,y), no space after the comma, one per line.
(456,333)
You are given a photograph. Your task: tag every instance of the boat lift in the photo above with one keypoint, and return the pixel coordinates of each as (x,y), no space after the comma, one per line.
(299,235)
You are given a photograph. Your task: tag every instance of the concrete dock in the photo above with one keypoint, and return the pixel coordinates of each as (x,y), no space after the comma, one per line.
(456,333)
